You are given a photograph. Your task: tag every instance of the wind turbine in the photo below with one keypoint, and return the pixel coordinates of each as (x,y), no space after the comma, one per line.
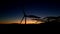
(23,16)
(29,16)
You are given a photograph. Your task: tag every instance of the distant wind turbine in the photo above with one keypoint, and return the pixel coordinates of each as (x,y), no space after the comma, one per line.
(29,16)
(25,16)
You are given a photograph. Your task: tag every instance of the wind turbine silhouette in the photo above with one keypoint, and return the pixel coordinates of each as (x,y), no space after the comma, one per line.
(25,16)
(29,16)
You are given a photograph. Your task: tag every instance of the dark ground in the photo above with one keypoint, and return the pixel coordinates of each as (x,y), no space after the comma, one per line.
(45,27)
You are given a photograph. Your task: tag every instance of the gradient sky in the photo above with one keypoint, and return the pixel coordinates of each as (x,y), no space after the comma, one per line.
(11,10)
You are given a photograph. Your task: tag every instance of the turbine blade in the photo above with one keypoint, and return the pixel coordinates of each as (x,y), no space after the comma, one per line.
(22,20)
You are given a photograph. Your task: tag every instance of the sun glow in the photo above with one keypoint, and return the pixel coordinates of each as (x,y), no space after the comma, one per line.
(28,21)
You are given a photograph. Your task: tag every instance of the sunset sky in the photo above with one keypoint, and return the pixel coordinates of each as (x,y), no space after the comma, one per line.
(11,11)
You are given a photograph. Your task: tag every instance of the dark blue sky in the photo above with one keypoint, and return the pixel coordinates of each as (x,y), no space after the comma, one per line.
(13,9)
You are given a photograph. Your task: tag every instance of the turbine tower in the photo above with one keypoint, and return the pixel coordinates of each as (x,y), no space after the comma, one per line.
(29,16)
(24,17)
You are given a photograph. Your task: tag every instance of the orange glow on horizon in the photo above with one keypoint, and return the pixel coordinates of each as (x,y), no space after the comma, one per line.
(18,21)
